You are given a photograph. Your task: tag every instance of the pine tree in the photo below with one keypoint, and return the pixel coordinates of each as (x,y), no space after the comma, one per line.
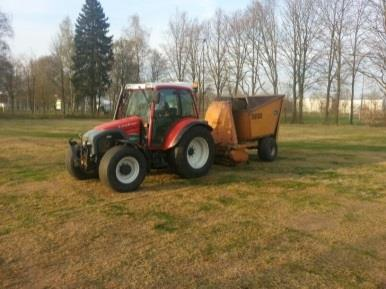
(93,53)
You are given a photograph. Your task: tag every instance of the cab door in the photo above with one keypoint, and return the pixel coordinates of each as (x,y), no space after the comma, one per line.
(166,112)
(173,105)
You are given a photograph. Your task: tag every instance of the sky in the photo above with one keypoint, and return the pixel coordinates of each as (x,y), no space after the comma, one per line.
(36,22)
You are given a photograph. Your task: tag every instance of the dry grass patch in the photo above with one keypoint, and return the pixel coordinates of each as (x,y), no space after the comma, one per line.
(312,219)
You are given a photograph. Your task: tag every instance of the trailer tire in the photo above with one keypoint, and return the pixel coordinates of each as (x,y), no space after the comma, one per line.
(123,168)
(72,163)
(194,155)
(267,149)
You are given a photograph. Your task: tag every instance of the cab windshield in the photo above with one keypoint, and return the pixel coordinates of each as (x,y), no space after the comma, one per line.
(135,102)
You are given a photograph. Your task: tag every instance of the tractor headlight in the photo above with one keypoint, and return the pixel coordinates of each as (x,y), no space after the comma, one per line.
(88,140)
(84,140)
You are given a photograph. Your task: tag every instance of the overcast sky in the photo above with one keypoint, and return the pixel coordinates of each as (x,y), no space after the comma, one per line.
(35,22)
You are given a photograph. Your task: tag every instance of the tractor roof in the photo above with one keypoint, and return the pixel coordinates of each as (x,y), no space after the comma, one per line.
(156,85)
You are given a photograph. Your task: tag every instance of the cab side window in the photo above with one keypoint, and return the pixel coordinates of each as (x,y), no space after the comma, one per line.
(173,105)
(187,103)
(166,113)
(168,103)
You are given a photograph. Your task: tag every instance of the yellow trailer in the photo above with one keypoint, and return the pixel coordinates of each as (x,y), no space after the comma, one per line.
(241,124)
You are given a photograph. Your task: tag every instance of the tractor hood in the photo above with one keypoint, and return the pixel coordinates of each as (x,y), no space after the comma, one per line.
(126,128)
(130,125)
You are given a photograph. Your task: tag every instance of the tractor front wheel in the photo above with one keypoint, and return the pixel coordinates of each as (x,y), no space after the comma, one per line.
(267,149)
(193,157)
(123,168)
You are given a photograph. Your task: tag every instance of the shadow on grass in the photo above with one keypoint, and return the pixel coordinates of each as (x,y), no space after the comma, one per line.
(334,146)
(299,167)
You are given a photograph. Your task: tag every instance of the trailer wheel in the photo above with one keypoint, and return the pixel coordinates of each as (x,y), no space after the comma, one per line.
(267,149)
(72,163)
(123,168)
(193,156)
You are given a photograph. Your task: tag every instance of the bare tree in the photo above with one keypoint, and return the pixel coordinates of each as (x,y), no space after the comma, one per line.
(301,30)
(5,32)
(217,51)
(237,49)
(176,48)
(5,63)
(30,78)
(9,82)
(13,85)
(42,88)
(329,22)
(334,22)
(269,36)
(377,44)
(357,40)
(158,65)
(290,49)
(63,50)
(125,68)
(196,58)
(195,38)
(254,46)
(138,36)
(340,34)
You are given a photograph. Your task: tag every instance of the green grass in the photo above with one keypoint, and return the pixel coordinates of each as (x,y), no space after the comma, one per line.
(118,210)
(165,222)
(314,218)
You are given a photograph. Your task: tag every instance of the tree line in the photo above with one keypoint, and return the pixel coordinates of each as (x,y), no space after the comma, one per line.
(295,47)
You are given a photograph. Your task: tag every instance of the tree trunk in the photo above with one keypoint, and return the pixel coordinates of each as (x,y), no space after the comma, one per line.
(302,82)
(33,95)
(295,101)
(339,85)
(62,89)
(326,115)
(330,76)
(72,97)
(11,90)
(99,103)
(93,105)
(352,99)
(353,77)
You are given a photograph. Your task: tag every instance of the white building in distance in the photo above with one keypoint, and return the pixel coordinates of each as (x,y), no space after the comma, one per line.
(317,105)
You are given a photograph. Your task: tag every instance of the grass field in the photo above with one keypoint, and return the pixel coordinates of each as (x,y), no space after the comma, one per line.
(315,218)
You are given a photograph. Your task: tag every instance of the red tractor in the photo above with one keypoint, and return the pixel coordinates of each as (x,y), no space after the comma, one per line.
(154,126)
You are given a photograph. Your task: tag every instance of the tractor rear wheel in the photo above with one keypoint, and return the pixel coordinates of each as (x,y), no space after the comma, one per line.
(267,149)
(193,156)
(72,162)
(123,168)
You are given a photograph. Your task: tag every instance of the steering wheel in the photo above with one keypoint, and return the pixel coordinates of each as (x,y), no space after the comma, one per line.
(165,111)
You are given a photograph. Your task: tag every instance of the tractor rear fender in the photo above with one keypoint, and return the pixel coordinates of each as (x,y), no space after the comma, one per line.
(176,133)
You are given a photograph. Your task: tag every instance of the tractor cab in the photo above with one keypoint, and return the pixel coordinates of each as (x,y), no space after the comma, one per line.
(159,107)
